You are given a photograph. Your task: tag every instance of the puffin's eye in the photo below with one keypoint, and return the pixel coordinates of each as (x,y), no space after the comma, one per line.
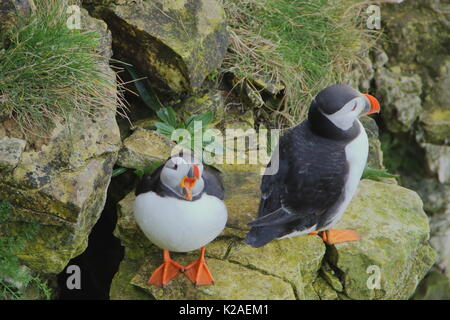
(175,167)
(354,107)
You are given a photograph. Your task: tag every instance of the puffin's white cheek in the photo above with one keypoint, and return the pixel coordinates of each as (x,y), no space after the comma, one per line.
(171,177)
(199,185)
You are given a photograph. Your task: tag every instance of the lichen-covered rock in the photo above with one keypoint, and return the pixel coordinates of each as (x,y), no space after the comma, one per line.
(400,96)
(394,239)
(438,161)
(60,181)
(435,195)
(375,157)
(174,43)
(435,126)
(440,240)
(144,147)
(213,101)
(435,286)
(417,46)
(390,219)
(232,281)
(8,16)
(10,152)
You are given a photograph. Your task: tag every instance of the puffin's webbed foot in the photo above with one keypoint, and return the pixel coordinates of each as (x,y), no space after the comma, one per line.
(165,272)
(334,236)
(198,271)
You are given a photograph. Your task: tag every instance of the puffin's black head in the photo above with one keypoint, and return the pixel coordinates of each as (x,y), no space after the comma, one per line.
(334,111)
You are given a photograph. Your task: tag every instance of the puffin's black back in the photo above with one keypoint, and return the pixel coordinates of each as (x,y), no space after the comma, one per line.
(307,186)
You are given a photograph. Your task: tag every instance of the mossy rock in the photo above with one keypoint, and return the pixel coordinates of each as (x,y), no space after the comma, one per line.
(389,218)
(144,147)
(60,181)
(435,286)
(174,43)
(436,126)
(394,234)
(400,99)
(8,15)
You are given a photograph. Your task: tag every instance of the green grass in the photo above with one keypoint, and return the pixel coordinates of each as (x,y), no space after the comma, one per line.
(11,270)
(48,72)
(303,45)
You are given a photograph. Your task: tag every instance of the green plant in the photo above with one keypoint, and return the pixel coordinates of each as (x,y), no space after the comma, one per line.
(50,73)
(143,87)
(148,169)
(300,45)
(377,174)
(118,171)
(195,126)
(15,278)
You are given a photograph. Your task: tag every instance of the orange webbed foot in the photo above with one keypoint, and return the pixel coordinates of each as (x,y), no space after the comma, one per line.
(334,236)
(198,271)
(165,272)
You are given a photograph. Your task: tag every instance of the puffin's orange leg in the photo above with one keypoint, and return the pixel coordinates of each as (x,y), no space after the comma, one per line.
(198,271)
(334,236)
(313,233)
(165,272)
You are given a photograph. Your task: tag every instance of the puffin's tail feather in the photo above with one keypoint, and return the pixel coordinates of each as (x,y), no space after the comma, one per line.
(260,236)
(280,216)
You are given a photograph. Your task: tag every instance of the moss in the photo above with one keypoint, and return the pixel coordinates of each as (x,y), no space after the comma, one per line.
(226,276)
(436,126)
(384,243)
(175,44)
(144,147)
(16,280)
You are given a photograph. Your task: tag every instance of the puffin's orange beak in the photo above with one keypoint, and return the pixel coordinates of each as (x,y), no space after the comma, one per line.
(188,183)
(374,104)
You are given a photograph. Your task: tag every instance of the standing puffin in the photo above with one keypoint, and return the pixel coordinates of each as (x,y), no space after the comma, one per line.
(179,208)
(320,164)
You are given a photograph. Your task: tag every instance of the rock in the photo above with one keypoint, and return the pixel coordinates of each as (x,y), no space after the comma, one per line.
(375,157)
(394,232)
(435,126)
(174,43)
(60,182)
(390,219)
(417,46)
(438,161)
(232,281)
(435,195)
(10,152)
(8,15)
(361,75)
(212,100)
(435,286)
(400,98)
(144,147)
(440,240)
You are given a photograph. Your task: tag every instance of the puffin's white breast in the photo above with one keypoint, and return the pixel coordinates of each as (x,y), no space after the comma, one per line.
(356,153)
(179,225)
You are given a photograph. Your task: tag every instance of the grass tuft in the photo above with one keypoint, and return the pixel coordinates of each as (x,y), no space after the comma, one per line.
(48,72)
(302,45)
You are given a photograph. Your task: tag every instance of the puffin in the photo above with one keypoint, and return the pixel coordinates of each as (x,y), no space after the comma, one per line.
(180,208)
(320,163)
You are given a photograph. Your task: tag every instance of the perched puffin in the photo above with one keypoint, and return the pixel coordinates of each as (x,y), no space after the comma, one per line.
(320,164)
(179,208)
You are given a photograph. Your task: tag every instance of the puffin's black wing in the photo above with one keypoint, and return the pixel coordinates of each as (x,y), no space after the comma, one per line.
(309,182)
(149,182)
(213,182)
